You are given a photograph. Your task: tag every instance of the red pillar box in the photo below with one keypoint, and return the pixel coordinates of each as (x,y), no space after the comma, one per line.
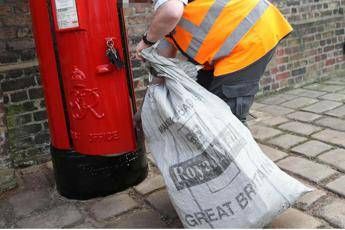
(87,80)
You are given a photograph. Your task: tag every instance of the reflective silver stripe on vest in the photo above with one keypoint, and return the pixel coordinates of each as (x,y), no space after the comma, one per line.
(200,32)
(242,29)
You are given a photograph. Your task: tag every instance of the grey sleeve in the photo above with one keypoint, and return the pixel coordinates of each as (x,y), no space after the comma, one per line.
(158,3)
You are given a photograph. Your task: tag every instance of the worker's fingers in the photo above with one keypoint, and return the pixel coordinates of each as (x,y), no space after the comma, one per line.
(139,57)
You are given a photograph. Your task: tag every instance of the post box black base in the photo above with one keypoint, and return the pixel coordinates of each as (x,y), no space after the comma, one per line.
(83,177)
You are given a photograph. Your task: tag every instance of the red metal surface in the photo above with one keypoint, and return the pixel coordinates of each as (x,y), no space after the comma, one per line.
(97,94)
(49,74)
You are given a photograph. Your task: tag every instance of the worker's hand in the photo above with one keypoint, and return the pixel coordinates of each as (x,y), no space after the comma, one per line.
(141,45)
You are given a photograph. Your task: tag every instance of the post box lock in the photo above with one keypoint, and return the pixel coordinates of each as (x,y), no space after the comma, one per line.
(113,55)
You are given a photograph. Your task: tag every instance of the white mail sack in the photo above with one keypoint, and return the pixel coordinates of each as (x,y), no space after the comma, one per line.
(215,173)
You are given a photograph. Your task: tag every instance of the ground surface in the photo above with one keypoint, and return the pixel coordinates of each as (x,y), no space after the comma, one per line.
(302,130)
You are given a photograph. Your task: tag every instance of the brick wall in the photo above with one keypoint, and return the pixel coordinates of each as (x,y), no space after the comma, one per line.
(7,180)
(313,51)
(315,48)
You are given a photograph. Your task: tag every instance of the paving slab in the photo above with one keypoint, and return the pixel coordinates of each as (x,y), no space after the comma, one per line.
(25,202)
(311,148)
(335,81)
(322,106)
(306,93)
(331,136)
(338,186)
(272,121)
(335,157)
(325,87)
(257,105)
(276,110)
(7,216)
(307,200)
(36,180)
(263,133)
(277,99)
(84,225)
(293,218)
(176,224)
(151,184)
(58,217)
(338,112)
(331,122)
(161,202)
(299,102)
(139,219)
(303,116)
(300,128)
(307,169)
(334,97)
(112,206)
(287,141)
(272,153)
(151,158)
(258,115)
(334,212)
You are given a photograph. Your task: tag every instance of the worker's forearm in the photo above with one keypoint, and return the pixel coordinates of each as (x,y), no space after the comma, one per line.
(165,19)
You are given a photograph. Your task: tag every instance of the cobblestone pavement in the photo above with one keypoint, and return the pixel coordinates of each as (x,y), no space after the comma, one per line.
(302,130)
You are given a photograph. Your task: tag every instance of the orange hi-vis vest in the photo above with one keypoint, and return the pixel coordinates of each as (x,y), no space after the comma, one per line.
(229,34)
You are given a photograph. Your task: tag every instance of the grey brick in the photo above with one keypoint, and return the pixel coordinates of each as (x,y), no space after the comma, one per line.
(58,217)
(275,110)
(138,219)
(262,132)
(293,218)
(334,212)
(334,97)
(161,202)
(27,201)
(307,169)
(303,116)
(299,71)
(331,136)
(333,123)
(307,200)
(150,185)
(287,141)
(338,112)
(306,93)
(40,115)
(18,84)
(273,154)
(299,102)
(22,119)
(300,128)
(311,148)
(112,206)
(277,99)
(324,87)
(338,185)
(335,158)
(36,93)
(322,106)
(21,96)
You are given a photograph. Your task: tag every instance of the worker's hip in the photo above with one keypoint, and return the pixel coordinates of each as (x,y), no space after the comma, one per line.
(239,88)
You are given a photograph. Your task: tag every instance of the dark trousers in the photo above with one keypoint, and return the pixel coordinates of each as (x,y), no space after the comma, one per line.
(239,88)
